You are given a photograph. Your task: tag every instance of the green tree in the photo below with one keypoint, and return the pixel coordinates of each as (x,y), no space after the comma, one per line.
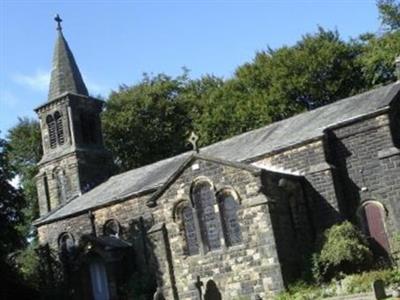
(11,203)
(24,152)
(147,122)
(377,58)
(319,69)
(389,13)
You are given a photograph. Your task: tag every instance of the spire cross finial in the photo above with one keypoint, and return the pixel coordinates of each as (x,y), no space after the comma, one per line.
(193,140)
(58,20)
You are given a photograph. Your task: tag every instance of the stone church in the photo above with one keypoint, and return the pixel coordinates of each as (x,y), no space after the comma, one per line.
(233,220)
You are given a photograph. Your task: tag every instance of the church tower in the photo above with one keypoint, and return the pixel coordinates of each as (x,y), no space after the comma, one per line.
(74,158)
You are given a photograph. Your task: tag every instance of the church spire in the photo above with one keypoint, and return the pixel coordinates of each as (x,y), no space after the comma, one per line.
(65,75)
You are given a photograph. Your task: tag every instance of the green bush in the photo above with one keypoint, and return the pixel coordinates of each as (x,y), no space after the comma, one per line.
(360,283)
(342,250)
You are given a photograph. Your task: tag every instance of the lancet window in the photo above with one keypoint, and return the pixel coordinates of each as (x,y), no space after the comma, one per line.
(190,230)
(62,185)
(59,128)
(228,207)
(204,202)
(51,127)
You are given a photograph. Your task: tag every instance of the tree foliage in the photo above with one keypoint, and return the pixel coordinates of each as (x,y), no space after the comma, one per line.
(389,13)
(11,203)
(24,152)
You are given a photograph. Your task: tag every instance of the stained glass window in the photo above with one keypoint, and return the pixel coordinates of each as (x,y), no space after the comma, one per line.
(204,200)
(190,230)
(228,207)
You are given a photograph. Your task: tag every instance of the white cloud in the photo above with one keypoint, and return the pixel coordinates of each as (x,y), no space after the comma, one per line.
(41,79)
(38,81)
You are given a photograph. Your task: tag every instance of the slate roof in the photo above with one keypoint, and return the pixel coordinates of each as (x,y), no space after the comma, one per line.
(241,148)
(65,75)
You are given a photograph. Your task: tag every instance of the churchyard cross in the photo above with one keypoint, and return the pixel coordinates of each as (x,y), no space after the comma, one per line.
(199,284)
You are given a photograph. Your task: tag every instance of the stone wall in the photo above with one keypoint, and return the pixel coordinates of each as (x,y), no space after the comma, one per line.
(240,271)
(369,166)
(311,161)
(268,226)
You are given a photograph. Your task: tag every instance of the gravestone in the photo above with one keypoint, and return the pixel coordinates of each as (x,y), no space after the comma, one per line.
(379,289)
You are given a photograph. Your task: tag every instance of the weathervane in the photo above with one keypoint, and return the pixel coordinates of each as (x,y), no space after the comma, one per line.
(58,20)
(193,140)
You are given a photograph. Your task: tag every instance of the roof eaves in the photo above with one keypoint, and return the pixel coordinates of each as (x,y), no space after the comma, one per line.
(46,219)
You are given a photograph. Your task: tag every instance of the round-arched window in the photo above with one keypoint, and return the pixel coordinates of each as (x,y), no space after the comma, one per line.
(66,242)
(112,228)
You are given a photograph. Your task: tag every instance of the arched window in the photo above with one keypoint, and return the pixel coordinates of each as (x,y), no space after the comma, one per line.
(190,230)
(204,200)
(61,182)
(372,214)
(228,207)
(66,242)
(59,128)
(51,127)
(46,192)
(112,228)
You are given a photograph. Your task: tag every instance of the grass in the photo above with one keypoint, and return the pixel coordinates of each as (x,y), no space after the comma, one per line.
(351,284)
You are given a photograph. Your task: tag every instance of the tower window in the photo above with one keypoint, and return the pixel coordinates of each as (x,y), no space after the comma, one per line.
(46,192)
(59,128)
(55,129)
(62,185)
(51,127)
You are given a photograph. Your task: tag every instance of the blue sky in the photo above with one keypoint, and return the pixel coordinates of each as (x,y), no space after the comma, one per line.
(115,42)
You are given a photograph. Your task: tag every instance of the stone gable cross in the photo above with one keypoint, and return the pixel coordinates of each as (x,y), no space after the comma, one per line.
(193,140)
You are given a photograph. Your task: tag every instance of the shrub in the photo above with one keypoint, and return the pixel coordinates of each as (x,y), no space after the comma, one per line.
(360,283)
(342,250)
